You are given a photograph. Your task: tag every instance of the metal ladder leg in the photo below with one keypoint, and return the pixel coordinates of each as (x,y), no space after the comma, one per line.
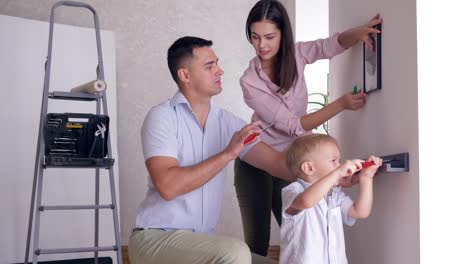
(38,216)
(97,186)
(96,218)
(33,200)
(38,169)
(115,213)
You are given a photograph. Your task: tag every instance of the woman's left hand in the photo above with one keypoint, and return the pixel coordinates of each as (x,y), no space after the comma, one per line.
(351,101)
(361,33)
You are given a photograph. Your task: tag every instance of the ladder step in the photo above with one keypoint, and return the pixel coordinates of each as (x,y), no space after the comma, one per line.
(75,207)
(75,96)
(45,166)
(74,162)
(74,250)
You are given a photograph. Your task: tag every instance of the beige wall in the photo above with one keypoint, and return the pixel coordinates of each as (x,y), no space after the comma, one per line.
(388,124)
(143,32)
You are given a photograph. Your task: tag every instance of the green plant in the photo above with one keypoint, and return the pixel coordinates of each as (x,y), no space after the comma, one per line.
(318,104)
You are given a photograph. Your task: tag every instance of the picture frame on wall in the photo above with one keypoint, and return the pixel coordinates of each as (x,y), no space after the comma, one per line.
(372,63)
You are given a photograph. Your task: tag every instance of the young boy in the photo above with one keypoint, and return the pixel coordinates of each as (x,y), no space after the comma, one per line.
(314,207)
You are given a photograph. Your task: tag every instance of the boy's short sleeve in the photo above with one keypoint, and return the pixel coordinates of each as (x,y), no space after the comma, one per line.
(159,133)
(345,203)
(288,194)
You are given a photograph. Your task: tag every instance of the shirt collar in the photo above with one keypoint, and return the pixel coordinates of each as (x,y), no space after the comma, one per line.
(179,98)
(257,64)
(304,184)
(257,67)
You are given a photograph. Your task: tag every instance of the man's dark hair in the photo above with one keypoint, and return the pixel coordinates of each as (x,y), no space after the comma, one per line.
(182,49)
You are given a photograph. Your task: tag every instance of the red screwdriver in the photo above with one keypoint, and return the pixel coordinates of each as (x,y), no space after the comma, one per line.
(367,164)
(251,137)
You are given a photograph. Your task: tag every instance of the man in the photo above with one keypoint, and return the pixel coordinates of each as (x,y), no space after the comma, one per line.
(187,143)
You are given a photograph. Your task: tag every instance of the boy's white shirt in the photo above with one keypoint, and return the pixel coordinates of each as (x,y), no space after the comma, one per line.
(314,235)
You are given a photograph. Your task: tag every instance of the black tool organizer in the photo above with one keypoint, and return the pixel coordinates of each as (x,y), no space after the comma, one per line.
(76,139)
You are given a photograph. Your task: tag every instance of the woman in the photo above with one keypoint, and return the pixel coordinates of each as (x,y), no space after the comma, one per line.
(274,87)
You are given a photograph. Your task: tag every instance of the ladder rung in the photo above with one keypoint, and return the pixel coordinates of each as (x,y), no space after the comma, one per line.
(45,166)
(74,162)
(74,250)
(75,96)
(75,207)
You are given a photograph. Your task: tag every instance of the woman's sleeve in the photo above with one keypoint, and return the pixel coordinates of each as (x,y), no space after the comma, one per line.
(269,108)
(311,51)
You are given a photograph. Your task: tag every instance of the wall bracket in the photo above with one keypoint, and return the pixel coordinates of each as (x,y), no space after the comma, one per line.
(395,163)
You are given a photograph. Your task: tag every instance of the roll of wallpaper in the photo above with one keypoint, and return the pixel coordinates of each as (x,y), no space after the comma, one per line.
(90,87)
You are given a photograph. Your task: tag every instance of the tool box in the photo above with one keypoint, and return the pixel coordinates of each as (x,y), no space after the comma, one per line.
(76,139)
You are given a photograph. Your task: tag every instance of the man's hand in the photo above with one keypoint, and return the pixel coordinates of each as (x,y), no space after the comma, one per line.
(236,145)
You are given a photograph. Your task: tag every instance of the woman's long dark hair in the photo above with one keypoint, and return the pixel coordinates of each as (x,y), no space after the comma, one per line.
(285,68)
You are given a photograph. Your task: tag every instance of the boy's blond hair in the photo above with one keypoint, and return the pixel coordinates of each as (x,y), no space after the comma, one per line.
(302,148)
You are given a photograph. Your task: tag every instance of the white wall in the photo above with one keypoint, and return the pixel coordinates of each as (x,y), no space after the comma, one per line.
(388,124)
(443,141)
(23,51)
(312,22)
(144,30)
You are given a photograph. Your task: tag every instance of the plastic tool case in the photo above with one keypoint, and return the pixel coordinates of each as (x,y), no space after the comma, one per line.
(73,139)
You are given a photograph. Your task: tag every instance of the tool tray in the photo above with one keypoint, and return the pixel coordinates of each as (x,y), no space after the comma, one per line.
(76,139)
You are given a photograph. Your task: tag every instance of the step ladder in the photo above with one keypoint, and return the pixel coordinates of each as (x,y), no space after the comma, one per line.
(41,163)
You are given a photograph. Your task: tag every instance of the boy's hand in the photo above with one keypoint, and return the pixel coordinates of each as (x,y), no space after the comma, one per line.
(349,167)
(370,171)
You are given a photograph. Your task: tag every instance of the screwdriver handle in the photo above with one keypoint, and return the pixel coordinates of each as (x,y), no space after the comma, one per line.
(250,138)
(367,164)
